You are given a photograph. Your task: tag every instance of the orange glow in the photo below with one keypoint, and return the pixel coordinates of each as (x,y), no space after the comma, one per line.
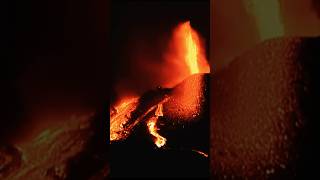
(200,152)
(186,54)
(159,141)
(194,55)
(186,99)
(119,116)
(192,50)
(159,110)
(190,53)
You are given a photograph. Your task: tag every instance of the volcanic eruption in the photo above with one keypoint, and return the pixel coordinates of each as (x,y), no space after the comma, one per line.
(191,54)
(171,114)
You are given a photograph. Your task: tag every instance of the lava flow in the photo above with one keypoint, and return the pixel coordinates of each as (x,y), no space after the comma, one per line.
(189,53)
(160,141)
(119,115)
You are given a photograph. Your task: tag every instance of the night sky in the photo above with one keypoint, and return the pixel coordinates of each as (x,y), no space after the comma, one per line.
(56,61)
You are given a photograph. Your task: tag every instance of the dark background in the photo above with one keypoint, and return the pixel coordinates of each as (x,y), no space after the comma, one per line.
(55,62)
(140,34)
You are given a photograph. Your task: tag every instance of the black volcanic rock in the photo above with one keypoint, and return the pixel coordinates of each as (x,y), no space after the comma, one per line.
(265,116)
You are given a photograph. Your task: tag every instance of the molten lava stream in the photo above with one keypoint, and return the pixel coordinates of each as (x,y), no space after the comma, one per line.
(160,141)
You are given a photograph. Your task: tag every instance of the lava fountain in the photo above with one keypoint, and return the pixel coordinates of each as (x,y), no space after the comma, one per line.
(194,55)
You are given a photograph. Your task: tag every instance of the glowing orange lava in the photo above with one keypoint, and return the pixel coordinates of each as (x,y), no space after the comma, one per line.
(194,55)
(159,110)
(188,57)
(192,52)
(119,115)
(200,152)
(159,141)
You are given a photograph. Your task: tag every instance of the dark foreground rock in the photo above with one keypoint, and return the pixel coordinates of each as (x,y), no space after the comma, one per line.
(76,149)
(265,112)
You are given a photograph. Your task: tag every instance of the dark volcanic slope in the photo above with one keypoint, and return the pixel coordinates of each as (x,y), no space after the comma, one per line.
(138,156)
(264,112)
(186,113)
